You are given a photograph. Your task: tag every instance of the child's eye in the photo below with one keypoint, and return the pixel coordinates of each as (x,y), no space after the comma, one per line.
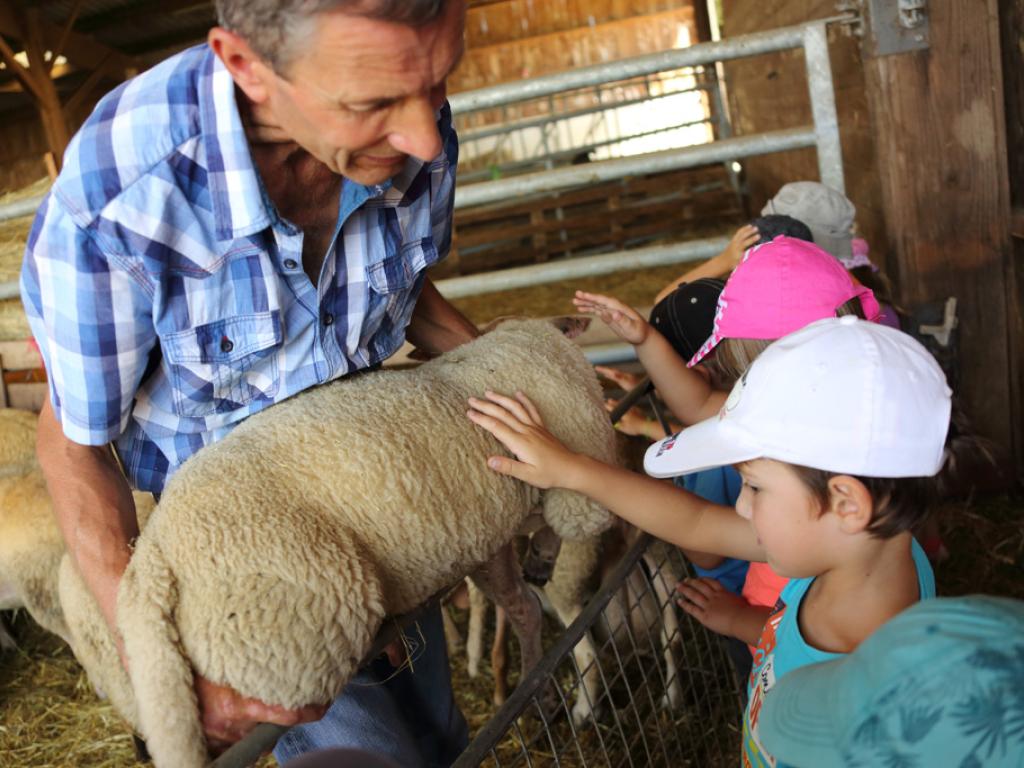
(753,488)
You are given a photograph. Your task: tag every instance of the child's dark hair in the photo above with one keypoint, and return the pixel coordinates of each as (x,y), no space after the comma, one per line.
(904,503)
(774,224)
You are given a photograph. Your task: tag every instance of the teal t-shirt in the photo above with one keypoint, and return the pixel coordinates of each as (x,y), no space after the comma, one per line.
(782,649)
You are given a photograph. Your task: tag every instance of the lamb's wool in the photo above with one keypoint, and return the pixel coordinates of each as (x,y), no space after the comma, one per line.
(275,554)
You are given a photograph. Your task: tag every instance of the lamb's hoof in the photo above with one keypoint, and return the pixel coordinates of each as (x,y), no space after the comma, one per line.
(670,699)
(141,753)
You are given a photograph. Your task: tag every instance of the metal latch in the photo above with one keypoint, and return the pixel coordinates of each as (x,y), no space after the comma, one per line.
(941,333)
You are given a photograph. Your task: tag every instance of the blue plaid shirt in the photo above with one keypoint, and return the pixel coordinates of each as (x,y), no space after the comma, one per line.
(167,295)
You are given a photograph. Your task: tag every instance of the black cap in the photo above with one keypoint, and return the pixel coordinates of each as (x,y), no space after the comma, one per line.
(687,315)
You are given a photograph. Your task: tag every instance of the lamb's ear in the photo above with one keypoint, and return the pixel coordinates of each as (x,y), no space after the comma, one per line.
(573,326)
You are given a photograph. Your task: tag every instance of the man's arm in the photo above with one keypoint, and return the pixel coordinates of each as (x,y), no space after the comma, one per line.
(94,508)
(436,325)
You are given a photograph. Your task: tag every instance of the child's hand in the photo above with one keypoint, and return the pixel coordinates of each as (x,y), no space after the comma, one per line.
(621,379)
(711,604)
(518,426)
(627,323)
(745,237)
(634,422)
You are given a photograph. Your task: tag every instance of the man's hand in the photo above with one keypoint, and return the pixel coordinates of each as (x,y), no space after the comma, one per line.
(516,423)
(227,716)
(745,237)
(712,605)
(625,321)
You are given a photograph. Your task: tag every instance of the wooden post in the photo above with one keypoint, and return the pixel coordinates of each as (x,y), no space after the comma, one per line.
(50,111)
(939,131)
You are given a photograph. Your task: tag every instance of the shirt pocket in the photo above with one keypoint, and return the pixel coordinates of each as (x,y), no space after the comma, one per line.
(224,365)
(394,283)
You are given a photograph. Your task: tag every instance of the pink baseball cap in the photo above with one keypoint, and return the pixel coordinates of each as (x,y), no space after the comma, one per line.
(780,287)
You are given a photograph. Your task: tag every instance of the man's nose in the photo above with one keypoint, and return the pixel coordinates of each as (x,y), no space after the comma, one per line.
(414,131)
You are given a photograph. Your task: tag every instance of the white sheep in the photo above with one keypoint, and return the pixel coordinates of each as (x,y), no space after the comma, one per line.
(275,554)
(17,440)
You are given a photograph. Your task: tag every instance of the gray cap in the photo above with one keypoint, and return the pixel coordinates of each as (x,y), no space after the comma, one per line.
(827,213)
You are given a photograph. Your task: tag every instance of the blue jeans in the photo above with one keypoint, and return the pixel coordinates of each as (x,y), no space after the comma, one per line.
(410,717)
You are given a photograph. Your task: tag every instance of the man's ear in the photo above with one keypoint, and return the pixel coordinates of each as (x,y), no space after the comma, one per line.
(851,503)
(247,69)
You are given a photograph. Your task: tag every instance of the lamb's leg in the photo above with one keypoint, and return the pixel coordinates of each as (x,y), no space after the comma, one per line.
(452,636)
(499,656)
(585,656)
(475,634)
(501,579)
(669,633)
(6,641)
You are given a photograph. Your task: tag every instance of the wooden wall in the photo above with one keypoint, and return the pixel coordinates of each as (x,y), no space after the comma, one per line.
(770,92)
(528,38)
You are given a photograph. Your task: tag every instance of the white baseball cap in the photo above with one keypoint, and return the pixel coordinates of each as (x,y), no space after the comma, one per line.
(841,395)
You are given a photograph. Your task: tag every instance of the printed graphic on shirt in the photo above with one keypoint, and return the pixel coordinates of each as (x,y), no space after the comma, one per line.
(762,680)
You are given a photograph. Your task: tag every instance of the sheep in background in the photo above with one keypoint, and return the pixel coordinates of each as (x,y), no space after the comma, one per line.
(275,554)
(31,545)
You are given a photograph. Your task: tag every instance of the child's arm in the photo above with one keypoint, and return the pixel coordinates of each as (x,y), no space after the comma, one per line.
(686,393)
(704,560)
(725,262)
(721,611)
(670,513)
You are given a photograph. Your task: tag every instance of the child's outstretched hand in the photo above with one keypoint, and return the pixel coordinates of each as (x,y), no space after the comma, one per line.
(622,379)
(745,237)
(627,323)
(711,604)
(517,425)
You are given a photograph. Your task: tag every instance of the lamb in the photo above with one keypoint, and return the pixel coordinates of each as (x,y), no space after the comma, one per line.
(31,546)
(275,554)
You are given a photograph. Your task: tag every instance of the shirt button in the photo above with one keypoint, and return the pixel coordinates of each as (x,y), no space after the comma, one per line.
(290,263)
(226,345)
(328,319)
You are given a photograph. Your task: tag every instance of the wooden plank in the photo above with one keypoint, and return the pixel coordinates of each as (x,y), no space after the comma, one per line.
(939,132)
(770,92)
(27,397)
(20,355)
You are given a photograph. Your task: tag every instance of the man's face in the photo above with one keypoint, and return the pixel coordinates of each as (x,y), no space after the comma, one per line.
(362,97)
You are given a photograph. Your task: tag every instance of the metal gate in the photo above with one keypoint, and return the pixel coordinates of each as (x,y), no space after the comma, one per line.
(662,687)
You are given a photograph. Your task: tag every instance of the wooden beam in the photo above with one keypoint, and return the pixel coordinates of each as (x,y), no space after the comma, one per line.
(64,34)
(50,111)
(939,129)
(74,101)
(20,72)
(79,49)
(141,10)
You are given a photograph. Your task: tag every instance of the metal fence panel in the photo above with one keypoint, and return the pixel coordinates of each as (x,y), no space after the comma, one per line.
(662,688)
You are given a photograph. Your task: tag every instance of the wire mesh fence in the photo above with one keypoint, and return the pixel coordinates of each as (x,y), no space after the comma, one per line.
(632,682)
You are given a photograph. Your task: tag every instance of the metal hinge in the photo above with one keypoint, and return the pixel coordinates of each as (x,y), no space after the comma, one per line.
(887,26)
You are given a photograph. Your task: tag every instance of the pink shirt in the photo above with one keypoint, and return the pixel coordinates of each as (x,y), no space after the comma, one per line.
(763,586)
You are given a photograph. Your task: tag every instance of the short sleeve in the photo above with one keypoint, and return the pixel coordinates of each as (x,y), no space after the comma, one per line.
(442,184)
(92,320)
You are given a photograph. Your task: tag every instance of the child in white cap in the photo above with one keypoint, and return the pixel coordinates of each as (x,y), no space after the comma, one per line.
(834,429)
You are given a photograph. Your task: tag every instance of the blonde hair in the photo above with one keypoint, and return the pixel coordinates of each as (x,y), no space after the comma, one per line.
(733,356)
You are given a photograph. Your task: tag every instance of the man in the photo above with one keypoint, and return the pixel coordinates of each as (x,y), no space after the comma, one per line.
(248,219)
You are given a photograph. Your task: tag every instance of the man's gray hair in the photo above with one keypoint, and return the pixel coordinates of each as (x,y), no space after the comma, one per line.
(276,29)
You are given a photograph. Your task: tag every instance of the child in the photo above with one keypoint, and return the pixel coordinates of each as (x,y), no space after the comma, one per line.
(940,684)
(832,429)
(779,287)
